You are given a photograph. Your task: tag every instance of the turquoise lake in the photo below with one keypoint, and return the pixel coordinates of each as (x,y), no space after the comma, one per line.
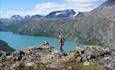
(19,41)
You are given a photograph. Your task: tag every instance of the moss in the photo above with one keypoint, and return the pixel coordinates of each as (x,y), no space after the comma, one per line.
(98,58)
(41,66)
(90,42)
(94,67)
(77,65)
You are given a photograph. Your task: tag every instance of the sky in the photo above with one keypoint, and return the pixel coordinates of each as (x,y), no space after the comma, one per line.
(43,7)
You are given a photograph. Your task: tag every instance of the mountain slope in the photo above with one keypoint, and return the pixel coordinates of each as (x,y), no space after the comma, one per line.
(99,24)
(106,10)
(2,26)
(4,47)
(16,17)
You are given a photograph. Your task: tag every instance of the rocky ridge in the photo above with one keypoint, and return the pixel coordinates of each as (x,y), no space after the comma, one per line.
(42,58)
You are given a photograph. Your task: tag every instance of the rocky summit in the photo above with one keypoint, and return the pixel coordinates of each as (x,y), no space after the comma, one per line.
(48,58)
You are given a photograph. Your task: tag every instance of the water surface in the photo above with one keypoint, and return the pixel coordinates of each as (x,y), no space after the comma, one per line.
(19,41)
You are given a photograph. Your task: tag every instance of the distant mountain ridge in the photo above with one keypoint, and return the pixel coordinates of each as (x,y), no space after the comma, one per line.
(61,14)
(16,17)
(54,14)
(2,26)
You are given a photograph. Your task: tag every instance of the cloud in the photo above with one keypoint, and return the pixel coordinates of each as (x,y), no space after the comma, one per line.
(85,5)
(7,14)
(79,5)
(50,6)
(45,8)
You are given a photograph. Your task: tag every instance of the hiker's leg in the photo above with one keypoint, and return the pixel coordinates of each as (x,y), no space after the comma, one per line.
(61,49)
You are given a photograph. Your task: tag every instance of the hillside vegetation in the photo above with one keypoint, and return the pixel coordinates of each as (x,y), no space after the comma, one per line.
(5,47)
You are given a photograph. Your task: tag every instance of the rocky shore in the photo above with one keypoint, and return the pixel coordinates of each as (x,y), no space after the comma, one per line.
(48,58)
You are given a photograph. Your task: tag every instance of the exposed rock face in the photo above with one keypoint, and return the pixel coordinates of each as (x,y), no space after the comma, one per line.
(96,54)
(34,56)
(50,59)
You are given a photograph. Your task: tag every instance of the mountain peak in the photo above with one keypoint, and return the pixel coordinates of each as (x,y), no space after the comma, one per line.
(36,16)
(61,13)
(16,17)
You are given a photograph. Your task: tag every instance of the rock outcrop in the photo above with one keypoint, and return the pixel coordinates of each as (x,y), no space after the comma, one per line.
(40,58)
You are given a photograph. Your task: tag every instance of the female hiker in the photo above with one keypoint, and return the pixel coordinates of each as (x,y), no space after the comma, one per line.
(60,42)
